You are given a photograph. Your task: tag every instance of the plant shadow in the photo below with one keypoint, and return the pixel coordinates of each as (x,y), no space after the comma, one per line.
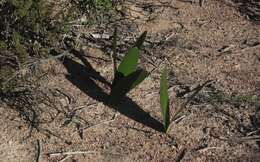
(84,77)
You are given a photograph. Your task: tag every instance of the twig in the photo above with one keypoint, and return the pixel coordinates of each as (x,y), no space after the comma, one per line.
(38,155)
(48,132)
(201,2)
(65,158)
(190,98)
(177,120)
(255,138)
(88,127)
(84,106)
(249,138)
(196,91)
(71,153)
(66,53)
(241,50)
(253,132)
(181,155)
(70,98)
(247,48)
(156,67)
(206,149)
(30,64)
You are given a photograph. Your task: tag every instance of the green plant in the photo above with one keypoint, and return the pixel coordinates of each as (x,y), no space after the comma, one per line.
(127,76)
(164,100)
(114,55)
(97,11)
(29,31)
(89,5)
(105,4)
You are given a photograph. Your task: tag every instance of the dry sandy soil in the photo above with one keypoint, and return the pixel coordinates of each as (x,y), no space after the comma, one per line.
(217,42)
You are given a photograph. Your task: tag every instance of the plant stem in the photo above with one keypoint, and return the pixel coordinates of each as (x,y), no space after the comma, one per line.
(114,55)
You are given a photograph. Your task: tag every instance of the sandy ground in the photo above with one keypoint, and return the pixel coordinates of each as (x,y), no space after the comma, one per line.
(216,41)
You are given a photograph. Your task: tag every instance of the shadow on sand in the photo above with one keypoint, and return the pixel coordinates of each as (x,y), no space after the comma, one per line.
(84,77)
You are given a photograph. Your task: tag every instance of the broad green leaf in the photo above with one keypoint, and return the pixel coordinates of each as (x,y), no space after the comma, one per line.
(164,99)
(128,65)
(129,62)
(141,40)
(126,84)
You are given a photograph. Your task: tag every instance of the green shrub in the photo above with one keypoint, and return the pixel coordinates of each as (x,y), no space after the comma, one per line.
(90,5)
(105,4)
(97,11)
(29,30)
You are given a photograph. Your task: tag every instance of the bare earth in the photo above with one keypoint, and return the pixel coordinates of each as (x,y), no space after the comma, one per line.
(217,42)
